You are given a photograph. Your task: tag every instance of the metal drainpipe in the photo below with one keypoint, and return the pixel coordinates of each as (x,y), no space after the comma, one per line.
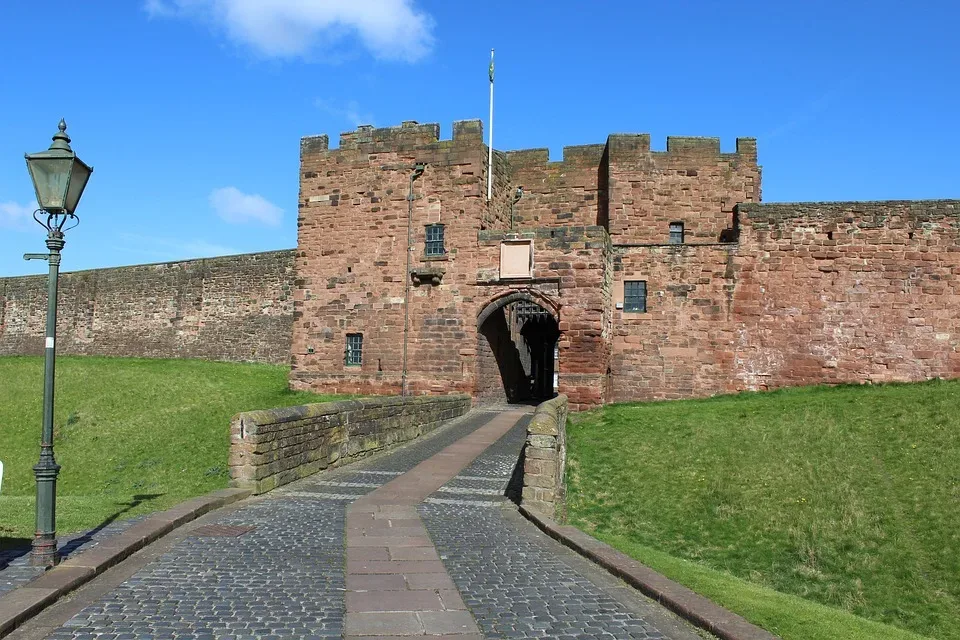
(417,172)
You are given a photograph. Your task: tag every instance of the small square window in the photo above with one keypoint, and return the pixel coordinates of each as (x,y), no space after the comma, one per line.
(354,357)
(635,296)
(434,245)
(676,233)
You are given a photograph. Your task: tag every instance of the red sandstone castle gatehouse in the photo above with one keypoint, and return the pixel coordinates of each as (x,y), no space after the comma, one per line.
(619,273)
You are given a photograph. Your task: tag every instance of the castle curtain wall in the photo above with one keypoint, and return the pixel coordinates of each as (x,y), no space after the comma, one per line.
(847,292)
(236,308)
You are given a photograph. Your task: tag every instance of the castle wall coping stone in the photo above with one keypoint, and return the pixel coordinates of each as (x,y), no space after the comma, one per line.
(166,263)
(258,417)
(772,212)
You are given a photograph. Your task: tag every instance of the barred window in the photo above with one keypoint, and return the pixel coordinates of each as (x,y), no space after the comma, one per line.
(635,296)
(354,356)
(434,245)
(676,233)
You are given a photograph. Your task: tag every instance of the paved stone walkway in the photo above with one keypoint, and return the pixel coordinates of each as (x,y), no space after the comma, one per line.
(419,542)
(396,583)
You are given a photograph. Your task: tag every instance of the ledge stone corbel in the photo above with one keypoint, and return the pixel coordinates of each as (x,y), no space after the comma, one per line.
(427,275)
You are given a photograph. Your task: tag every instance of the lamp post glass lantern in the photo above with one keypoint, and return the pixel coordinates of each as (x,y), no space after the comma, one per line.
(59,178)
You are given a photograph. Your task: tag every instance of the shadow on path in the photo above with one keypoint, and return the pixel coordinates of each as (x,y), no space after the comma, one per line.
(13,548)
(514,488)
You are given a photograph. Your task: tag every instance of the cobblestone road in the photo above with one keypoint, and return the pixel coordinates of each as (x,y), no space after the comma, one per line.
(15,568)
(284,577)
(517,582)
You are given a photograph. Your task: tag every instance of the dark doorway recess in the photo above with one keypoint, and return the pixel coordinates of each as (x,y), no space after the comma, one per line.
(517,352)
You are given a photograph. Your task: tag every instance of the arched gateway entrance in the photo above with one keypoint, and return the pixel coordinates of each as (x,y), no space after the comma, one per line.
(517,350)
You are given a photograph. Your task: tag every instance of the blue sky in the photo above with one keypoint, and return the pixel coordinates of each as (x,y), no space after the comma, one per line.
(191,111)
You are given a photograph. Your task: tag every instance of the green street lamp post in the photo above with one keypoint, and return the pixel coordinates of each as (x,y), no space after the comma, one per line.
(59,178)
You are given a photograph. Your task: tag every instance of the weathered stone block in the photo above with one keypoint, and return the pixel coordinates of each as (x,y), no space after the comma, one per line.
(542,442)
(546,468)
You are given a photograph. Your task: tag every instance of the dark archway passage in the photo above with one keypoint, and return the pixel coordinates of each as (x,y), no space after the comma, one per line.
(516,354)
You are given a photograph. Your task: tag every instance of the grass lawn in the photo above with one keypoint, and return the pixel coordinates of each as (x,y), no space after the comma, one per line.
(808,511)
(131,435)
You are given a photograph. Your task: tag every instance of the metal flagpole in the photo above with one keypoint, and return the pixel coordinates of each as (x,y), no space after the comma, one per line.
(490,145)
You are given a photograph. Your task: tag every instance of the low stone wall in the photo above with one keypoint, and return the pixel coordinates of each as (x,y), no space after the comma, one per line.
(545,457)
(273,447)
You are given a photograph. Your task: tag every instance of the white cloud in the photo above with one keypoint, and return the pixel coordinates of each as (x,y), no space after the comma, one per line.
(233,205)
(389,29)
(350,111)
(16,216)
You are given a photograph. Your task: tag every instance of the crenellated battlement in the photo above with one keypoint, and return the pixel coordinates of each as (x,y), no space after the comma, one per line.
(529,157)
(409,134)
(693,145)
(621,183)
(584,155)
(621,144)
(630,146)
(626,146)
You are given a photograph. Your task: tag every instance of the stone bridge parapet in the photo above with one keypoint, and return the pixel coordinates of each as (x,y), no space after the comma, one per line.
(273,447)
(545,458)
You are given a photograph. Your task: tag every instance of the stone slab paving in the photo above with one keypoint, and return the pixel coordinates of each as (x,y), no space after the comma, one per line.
(412,543)
(396,584)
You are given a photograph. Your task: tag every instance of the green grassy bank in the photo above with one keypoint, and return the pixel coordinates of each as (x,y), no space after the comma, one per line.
(131,435)
(809,511)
